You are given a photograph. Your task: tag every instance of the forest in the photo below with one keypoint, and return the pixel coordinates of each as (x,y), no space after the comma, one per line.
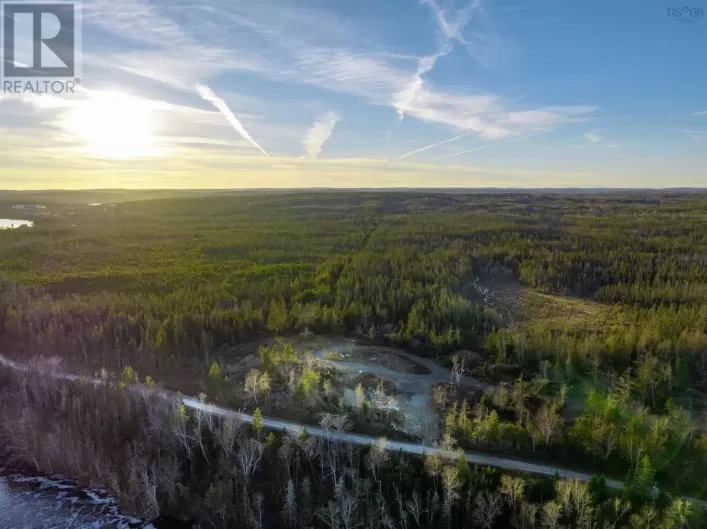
(585,316)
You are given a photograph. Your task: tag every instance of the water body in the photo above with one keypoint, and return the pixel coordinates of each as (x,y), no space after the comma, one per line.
(31,502)
(13,223)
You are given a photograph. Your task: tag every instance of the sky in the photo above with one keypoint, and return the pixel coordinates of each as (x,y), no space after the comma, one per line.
(370,93)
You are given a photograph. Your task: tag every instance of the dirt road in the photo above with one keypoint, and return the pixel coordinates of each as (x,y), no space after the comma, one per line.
(347,437)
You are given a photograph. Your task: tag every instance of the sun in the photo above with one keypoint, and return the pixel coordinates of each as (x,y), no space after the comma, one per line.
(114,125)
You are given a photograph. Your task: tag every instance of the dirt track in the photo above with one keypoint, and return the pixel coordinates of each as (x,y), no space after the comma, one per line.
(347,437)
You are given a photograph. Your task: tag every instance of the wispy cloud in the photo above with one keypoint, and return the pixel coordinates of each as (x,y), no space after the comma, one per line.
(501,123)
(427,147)
(292,44)
(695,134)
(701,113)
(453,30)
(207,94)
(450,32)
(490,145)
(592,137)
(318,134)
(402,100)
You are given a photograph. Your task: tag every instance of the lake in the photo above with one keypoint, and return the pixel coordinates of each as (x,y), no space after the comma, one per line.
(14,223)
(32,502)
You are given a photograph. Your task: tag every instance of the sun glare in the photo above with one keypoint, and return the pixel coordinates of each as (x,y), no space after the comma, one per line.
(114,125)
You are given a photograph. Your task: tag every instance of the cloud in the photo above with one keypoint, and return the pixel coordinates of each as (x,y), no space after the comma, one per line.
(488,117)
(427,147)
(701,113)
(592,137)
(450,32)
(453,30)
(172,46)
(490,145)
(293,44)
(401,100)
(318,134)
(695,134)
(207,94)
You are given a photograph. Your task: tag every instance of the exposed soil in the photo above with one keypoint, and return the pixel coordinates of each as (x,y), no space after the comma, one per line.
(386,357)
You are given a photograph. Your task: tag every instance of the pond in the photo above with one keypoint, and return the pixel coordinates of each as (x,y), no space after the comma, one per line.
(14,223)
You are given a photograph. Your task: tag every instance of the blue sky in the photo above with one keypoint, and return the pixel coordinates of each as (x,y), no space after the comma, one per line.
(364,93)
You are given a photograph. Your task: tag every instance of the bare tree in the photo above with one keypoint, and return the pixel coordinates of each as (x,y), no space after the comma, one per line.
(550,515)
(563,493)
(379,399)
(402,512)
(620,508)
(289,509)
(382,514)
(257,511)
(252,383)
(249,456)
(179,427)
(330,515)
(168,476)
(328,422)
(341,423)
(286,454)
(448,445)
(413,506)
(376,457)
(305,503)
(264,385)
(526,518)
(230,430)
(457,369)
(582,498)
(148,491)
(548,422)
(646,519)
(439,394)
(203,419)
(219,500)
(488,508)
(348,501)
(433,466)
(513,489)
(451,484)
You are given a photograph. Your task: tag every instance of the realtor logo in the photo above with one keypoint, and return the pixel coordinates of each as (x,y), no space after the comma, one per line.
(686,14)
(41,46)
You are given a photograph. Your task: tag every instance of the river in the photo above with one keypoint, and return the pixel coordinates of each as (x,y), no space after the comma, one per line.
(32,502)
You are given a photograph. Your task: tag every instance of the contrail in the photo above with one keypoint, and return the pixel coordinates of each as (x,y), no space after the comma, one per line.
(455,138)
(491,145)
(208,94)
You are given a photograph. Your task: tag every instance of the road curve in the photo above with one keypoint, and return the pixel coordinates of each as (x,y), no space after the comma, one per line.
(347,437)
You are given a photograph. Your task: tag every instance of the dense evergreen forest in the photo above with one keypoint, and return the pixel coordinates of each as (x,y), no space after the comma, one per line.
(596,345)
